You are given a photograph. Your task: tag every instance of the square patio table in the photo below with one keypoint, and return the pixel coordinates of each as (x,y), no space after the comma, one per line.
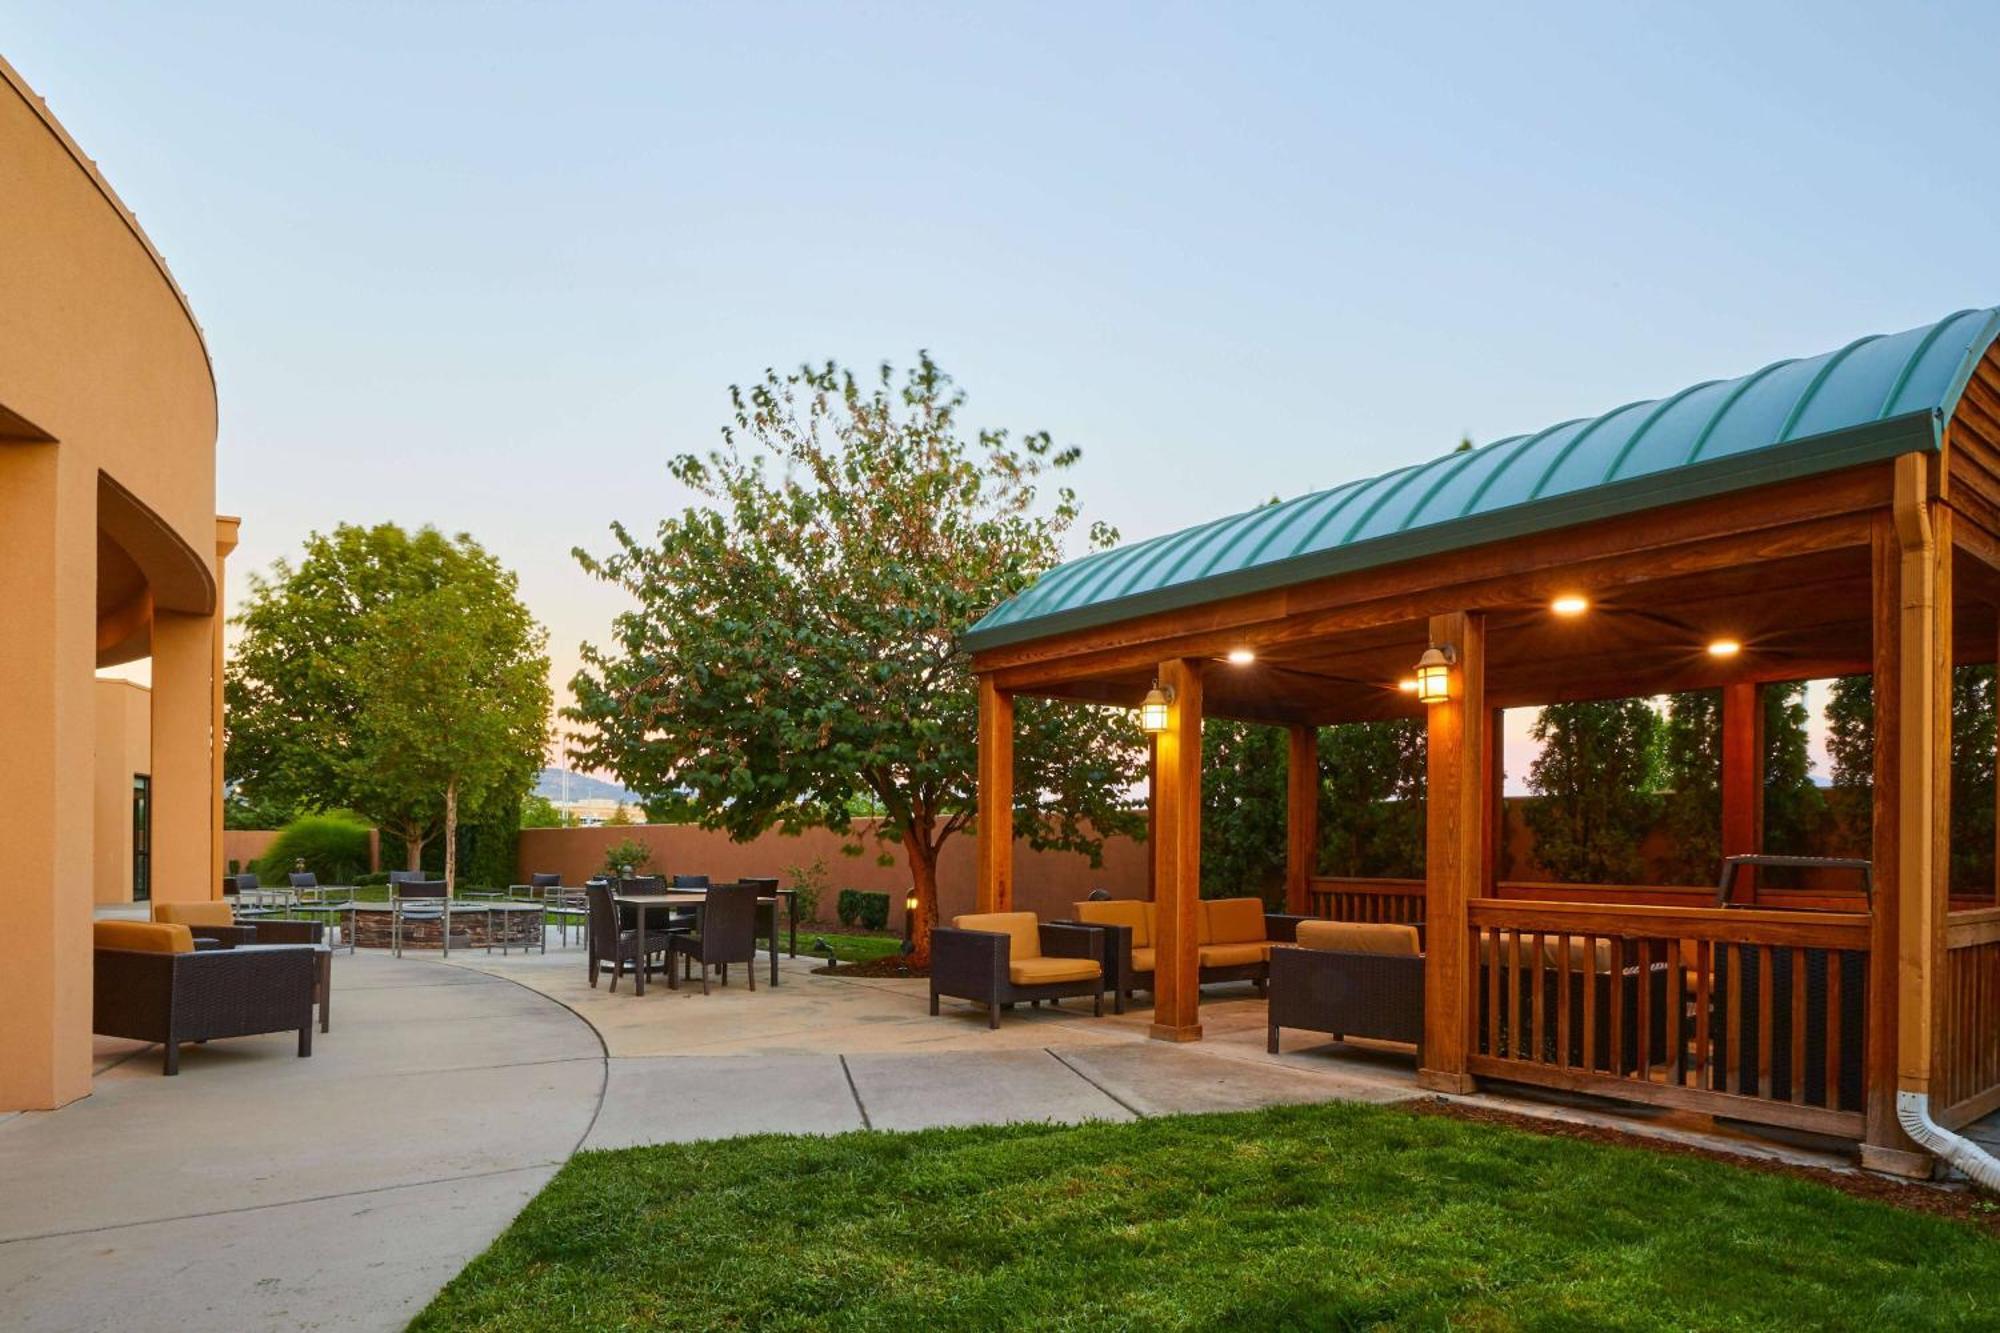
(687,898)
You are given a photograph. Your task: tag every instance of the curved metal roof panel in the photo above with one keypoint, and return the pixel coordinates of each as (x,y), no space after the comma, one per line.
(1875,397)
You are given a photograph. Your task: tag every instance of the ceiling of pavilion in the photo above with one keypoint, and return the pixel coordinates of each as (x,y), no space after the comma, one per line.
(1876,397)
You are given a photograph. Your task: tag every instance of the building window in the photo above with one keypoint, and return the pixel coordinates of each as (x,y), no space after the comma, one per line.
(142,837)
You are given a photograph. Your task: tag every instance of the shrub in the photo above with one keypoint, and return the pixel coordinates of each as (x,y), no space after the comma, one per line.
(333,847)
(859,907)
(373,879)
(628,852)
(808,887)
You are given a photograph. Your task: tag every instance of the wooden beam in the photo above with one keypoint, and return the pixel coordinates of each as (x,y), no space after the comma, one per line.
(996,798)
(1152,819)
(1176,971)
(1301,816)
(1938,906)
(1743,776)
(1457,823)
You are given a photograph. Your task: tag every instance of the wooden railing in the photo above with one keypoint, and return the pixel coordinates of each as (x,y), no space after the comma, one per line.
(1759,1015)
(1969,1041)
(1341,898)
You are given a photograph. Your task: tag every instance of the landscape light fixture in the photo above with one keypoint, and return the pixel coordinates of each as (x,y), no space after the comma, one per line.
(1153,711)
(1570,604)
(1241,657)
(1434,674)
(1724,648)
(910,915)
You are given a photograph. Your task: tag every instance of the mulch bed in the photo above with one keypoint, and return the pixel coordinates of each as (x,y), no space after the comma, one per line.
(1954,1201)
(892,966)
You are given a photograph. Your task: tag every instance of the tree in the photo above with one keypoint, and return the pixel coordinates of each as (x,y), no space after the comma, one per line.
(461,715)
(1596,775)
(1242,808)
(1691,756)
(795,643)
(1850,717)
(294,688)
(1372,791)
(538,811)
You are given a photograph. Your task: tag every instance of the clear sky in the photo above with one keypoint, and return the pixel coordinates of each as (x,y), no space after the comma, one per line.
(486,266)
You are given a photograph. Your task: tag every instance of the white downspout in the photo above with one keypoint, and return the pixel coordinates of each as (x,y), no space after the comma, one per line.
(1913,1110)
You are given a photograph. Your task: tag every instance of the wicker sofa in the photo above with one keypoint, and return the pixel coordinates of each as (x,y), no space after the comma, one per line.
(1233,940)
(150,983)
(1001,958)
(1350,979)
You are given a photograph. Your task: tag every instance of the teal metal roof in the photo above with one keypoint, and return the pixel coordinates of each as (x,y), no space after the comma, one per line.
(1878,396)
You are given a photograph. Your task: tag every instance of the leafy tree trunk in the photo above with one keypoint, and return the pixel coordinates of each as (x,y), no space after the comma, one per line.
(450,837)
(923,878)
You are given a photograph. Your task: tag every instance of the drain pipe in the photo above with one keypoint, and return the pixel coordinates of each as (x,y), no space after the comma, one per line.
(1913,1111)
(1916,881)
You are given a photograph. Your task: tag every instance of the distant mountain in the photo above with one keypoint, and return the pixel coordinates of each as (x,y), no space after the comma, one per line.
(558,784)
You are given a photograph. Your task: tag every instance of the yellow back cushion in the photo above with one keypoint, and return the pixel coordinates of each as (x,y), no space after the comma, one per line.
(1234,920)
(144,936)
(1021,927)
(1359,937)
(1119,912)
(195,914)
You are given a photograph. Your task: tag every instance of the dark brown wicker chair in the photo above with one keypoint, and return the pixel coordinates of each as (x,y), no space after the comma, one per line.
(1346,992)
(611,942)
(173,997)
(976,958)
(727,934)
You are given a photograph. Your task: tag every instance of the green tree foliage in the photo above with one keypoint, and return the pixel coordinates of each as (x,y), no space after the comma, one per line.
(318,636)
(538,811)
(1371,798)
(1597,779)
(795,641)
(626,853)
(239,811)
(1243,785)
(333,846)
(1795,810)
(1691,814)
(461,715)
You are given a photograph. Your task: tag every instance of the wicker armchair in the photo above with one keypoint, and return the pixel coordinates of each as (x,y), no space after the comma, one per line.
(149,983)
(1001,958)
(1349,979)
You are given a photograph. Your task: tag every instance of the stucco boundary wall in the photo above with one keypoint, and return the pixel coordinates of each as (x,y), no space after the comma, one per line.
(1044,882)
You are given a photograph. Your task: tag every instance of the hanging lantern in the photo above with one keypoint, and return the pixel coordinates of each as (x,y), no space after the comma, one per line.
(1434,675)
(1153,712)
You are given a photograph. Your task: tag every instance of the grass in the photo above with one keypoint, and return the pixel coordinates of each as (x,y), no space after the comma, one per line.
(1337,1216)
(852,948)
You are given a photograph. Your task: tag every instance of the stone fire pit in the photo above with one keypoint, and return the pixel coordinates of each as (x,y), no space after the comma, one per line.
(475,924)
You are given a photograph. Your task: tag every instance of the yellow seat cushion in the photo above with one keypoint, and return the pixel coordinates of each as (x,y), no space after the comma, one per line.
(144,936)
(1234,921)
(1232,955)
(1047,971)
(194,914)
(1022,929)
(1551,953)
(1360,937)
(1129,912)
(1142,960)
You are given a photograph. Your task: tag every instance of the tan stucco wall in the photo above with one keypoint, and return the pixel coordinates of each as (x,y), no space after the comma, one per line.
(124,747)
(98,353)
(1044,882)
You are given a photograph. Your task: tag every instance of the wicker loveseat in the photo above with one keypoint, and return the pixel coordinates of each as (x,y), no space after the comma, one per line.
(151,984)
(1001,958)
(1350,979)
(1233,940)
(217,921)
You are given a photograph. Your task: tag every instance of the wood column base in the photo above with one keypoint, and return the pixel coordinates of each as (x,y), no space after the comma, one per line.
(1897,1162)
(1445,1080)
(1168,1032)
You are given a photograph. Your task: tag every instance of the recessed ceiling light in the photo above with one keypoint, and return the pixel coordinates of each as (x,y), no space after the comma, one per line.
(1241,657)
(1407,684)
(1724,648)
(1570,604)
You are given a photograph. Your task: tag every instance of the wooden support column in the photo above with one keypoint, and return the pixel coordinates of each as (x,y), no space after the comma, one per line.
(1495,783)
(1456,850)
(1743,778)
(996,798)
(1177,884)
(1907,768)
(1152,818)
(1301,817)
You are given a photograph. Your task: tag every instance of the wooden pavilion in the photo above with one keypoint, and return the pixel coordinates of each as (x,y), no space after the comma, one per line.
(1832,515)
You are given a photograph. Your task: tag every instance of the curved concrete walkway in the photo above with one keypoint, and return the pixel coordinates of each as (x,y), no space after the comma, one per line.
(258,1190)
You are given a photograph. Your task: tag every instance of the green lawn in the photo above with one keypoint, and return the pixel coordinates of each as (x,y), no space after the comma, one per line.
(851,948)
(1335,1216)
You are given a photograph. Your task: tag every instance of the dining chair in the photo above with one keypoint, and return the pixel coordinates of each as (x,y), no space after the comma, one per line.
(727,934)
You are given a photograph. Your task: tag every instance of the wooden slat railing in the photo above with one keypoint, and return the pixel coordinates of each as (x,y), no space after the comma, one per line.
(1969,1042)
(1759,1015)
(1344,898)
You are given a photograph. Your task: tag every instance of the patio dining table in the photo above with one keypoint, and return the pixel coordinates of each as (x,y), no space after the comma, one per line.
(696,899)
